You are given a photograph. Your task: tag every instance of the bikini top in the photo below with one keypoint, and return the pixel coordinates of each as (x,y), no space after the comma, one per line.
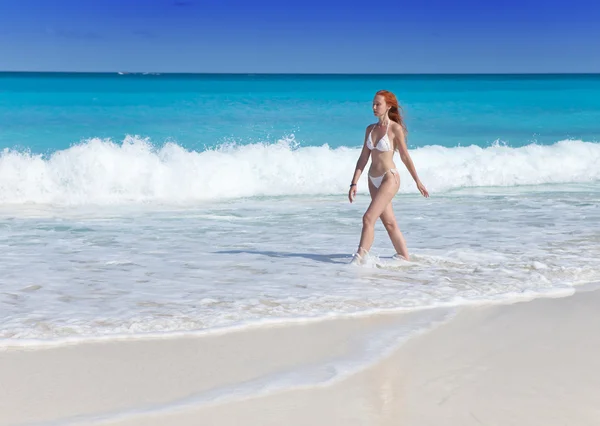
(384,142)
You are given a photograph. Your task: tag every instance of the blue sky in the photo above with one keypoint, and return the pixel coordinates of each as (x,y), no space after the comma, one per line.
(254,36)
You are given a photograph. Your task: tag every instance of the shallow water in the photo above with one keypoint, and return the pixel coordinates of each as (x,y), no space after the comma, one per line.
(133,235)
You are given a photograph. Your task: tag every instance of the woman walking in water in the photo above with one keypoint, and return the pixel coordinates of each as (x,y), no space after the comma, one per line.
(381,140)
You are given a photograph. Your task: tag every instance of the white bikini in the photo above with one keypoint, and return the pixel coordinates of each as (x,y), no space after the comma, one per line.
(383,145)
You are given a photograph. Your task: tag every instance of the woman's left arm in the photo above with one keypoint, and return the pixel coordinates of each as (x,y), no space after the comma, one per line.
(405,157)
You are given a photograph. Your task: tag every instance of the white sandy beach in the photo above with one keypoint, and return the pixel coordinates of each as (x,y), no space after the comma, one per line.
(529,363)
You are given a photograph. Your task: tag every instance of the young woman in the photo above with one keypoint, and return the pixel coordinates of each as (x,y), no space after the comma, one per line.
(381,140)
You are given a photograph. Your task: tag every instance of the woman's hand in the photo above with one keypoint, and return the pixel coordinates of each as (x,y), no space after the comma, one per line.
(422,189)
(352,193)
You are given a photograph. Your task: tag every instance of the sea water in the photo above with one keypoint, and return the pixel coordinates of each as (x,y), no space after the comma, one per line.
(136,204)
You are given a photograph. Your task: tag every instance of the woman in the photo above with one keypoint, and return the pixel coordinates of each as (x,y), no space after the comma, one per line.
(381,140)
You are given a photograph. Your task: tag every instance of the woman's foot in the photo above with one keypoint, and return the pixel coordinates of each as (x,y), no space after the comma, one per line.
(357,258)
(398,256)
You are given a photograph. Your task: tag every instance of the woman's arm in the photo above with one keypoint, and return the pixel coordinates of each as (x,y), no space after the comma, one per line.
(398,132)
(360,165)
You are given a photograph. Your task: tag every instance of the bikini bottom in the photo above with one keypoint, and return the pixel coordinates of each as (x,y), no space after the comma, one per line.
(377,180)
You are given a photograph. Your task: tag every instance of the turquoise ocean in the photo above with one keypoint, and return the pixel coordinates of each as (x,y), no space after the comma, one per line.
(136,204)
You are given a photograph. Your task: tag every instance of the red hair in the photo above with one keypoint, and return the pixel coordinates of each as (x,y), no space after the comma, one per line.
(395,110)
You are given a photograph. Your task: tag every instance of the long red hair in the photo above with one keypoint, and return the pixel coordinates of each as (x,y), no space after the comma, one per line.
(395,110)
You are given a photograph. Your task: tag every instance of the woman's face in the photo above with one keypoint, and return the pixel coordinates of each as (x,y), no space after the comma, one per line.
(380,108)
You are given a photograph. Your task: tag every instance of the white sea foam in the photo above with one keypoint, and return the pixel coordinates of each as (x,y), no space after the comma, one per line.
(95,272)
(109,239)
(103,172)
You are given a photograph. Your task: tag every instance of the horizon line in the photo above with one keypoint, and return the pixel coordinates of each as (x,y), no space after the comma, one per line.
(125,73)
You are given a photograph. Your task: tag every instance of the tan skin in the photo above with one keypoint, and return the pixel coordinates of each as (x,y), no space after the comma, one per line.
(382,162)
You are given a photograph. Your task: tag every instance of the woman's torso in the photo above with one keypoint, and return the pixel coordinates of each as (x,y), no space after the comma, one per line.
(380,141)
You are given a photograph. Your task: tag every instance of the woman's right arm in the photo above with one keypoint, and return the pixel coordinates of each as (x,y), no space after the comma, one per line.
(360,165)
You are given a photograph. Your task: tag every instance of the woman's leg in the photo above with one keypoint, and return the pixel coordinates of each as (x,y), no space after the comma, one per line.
(391,226)
(381,197)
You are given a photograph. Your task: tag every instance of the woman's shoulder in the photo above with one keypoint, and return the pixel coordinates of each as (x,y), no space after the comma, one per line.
(396,127)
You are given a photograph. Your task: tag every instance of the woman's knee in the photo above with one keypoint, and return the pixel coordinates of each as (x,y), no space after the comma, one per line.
(368,220)
(390,225)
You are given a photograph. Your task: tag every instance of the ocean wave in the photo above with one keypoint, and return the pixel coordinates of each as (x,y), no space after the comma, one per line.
(100,171)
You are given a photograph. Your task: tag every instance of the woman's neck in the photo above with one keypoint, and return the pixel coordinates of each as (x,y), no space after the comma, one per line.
(383,121)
